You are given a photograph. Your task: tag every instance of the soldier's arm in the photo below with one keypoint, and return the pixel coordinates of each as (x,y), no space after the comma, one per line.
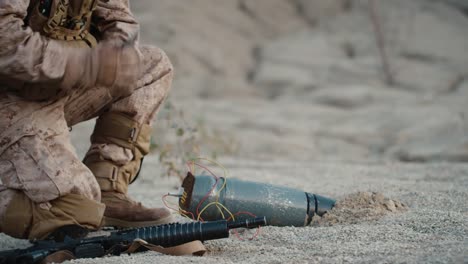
(29,60)
(115,22)
(26,56)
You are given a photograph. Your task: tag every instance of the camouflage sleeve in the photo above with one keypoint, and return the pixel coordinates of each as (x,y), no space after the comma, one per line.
(26,56)
(115,21)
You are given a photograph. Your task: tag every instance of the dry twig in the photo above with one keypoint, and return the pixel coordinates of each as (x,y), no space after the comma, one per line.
(380,41)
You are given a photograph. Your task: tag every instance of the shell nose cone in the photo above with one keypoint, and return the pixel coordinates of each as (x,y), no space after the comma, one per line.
(323,204)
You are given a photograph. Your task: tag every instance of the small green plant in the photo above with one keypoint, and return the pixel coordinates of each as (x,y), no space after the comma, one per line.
(179,139)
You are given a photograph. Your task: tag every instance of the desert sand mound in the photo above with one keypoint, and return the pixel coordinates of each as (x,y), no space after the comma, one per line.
(359,207)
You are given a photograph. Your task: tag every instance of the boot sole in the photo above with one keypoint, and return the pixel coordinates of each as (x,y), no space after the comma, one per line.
(121,224)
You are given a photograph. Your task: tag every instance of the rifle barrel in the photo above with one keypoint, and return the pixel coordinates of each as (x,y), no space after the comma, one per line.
(248,223)
(176,234)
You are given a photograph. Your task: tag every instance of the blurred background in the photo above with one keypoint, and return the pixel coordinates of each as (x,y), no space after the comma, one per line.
(312,80)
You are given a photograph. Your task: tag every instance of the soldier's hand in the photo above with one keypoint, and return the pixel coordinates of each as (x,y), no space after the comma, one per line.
(119,68)
(114,66)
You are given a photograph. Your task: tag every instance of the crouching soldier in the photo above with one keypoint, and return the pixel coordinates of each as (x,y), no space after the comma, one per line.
(63,62)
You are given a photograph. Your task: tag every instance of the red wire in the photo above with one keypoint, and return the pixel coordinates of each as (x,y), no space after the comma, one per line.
(208,193)
(257,233)
(205,197)
(188,163)
(179,210)
(203,167)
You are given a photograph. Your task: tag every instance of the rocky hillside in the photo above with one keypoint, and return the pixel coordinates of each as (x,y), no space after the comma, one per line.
(304,79)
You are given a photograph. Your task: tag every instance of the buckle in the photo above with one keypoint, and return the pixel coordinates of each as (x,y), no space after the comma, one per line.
(133,135)
(113,178)
(114,175)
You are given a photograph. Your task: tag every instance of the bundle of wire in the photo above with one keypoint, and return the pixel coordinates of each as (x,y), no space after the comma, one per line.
(224,211)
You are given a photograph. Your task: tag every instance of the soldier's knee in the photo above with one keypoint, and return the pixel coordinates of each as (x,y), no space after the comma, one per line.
(156,62)
(155,67)
(166,63)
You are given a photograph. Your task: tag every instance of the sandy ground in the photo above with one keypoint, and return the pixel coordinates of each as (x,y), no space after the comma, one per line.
(434,229)
(311,118)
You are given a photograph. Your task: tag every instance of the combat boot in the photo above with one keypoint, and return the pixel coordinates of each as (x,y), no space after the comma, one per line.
(71,215)
(114,176)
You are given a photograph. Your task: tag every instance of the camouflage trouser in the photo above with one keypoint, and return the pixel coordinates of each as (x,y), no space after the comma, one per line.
(36,155)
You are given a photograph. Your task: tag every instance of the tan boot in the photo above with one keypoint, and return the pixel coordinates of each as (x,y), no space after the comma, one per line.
(123,212)
(113,178)
(71,215)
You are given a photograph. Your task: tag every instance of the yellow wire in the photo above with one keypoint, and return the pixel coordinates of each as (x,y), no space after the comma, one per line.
(217,204)
(177,212)
(226,173)
(212,161)
(184,215)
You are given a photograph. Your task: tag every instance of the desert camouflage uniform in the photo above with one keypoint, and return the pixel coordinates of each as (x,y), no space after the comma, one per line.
(36,155)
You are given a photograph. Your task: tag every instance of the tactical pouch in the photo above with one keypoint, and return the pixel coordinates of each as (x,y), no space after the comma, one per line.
(121,130)
(64,20)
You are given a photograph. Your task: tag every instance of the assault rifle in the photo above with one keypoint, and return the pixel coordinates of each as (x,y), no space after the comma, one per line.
(118,241)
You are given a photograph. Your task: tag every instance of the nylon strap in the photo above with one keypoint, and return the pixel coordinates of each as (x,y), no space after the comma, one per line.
(106,173)
(58,16)
(123,131)
(195,248)
(56,26)
(58,257)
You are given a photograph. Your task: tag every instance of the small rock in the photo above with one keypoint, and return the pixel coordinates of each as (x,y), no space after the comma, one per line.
(390,205)
(378,197)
